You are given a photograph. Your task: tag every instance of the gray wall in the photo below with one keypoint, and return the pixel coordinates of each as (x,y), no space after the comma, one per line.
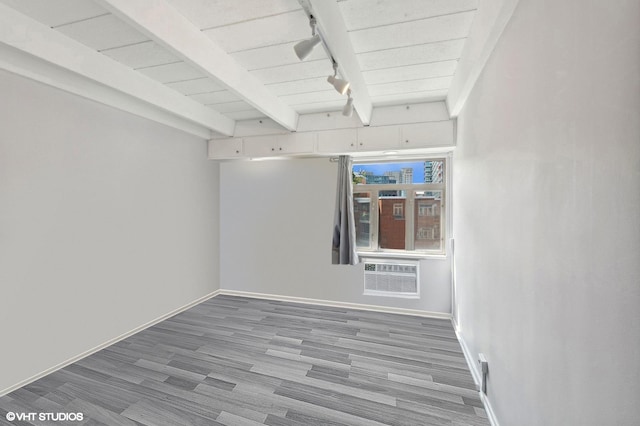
(107,221)
(546,206)
(276,225)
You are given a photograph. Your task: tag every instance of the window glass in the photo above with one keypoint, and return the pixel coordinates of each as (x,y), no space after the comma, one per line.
(362,215)
(399,205)
(389,173)
(427,220)
(392,224)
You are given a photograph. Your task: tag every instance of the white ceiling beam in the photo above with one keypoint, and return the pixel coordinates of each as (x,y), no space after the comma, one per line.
(334,33)
(165,25)
(488,25)
(381,116)
(26,42)
(26,65)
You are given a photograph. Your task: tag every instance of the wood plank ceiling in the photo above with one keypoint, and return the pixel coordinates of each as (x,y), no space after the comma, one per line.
(407,50)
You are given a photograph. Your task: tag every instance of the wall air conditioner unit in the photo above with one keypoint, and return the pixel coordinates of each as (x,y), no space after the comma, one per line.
(383,277)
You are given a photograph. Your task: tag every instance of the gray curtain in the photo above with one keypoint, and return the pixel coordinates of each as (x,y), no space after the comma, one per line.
(344,251)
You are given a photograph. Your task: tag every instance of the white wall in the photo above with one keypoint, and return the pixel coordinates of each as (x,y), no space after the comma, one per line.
(546,206)
(107,221)
(276,225)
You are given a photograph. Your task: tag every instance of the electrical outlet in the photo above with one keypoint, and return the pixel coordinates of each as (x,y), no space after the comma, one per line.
(484,368)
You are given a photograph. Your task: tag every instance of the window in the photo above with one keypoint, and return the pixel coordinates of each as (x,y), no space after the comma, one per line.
(427,209)
(398,209)
(399,206)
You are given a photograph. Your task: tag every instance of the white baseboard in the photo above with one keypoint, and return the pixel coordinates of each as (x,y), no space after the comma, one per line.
(107,343)
(360,306)
(477,378)
(489,409)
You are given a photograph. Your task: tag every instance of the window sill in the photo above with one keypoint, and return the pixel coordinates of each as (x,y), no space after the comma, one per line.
(401,255)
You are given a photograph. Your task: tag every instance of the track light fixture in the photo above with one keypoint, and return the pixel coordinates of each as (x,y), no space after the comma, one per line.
(339,84)
(304,48)
(347,111)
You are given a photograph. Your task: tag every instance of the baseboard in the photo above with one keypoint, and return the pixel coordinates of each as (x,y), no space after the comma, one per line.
(489,410)
(359,306)
(107,343)
(475,373)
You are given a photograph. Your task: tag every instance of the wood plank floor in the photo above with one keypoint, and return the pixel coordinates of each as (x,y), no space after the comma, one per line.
(242,361)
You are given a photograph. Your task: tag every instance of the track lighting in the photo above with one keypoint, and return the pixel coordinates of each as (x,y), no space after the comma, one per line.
(339,84)
(304,48)
(347,111)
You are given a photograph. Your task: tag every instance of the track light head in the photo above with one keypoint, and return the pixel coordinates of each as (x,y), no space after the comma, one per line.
(347,111)
(339,84)
(304,48)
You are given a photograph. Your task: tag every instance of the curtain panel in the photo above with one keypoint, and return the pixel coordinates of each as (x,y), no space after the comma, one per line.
(344,250)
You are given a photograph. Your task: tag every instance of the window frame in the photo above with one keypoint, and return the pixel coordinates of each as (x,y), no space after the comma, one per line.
(410,211)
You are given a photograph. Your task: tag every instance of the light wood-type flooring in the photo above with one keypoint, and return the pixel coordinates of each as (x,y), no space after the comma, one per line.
(244,361)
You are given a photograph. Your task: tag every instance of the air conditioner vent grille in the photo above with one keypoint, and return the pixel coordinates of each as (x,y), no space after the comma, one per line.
(390,278)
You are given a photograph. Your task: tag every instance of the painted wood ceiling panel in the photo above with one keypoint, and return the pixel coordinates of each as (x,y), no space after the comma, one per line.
(299,71)
(319,107)
(218,97)
(142,55)
(411,55)
(207,14)
(410,72)
(245,115)
(407,50)
(360,14)
(196,85)
(170,73)
(441,83)
(227,107)
(262,32)
(315,84)
(423,31)
(58,12)
(313,97)
(272,56)
(102,32)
